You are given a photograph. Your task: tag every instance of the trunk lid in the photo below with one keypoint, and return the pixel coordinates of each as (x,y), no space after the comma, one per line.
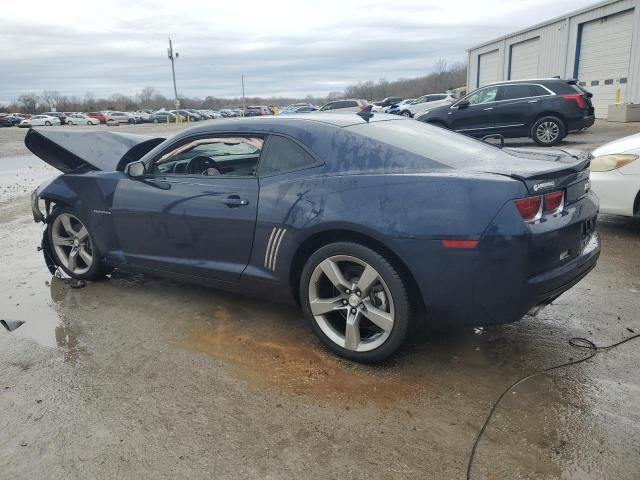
(70,151)
(571,171)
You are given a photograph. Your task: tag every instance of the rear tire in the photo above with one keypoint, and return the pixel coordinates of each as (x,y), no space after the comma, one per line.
(47,123)
(73,245)
(405,113)
(360,309)
(548,131)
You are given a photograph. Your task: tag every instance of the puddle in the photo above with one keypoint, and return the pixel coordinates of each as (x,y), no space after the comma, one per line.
(275,350)
(28,292)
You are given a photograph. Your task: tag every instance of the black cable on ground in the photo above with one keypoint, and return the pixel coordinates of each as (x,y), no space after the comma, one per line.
(577,342)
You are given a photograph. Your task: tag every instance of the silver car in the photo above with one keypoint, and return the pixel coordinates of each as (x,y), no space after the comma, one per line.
(350,105)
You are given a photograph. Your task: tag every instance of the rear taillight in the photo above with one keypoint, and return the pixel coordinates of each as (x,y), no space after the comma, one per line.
(529,207)
(576,97)
(532,208)
(552,202)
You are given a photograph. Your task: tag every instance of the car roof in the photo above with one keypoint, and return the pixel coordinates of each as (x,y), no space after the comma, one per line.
(528,80)
(339,120)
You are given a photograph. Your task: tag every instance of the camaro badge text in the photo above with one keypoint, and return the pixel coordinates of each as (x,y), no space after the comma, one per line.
(538,186)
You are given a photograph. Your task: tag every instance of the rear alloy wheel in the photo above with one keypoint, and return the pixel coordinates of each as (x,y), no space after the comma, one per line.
(548,131)
(356,302)
(73,245)
(406,113)
(47,123)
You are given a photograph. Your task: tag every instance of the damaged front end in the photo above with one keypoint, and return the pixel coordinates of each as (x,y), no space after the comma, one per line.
(42,217)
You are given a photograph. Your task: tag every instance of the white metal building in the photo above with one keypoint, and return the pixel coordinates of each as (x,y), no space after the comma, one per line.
(599,45)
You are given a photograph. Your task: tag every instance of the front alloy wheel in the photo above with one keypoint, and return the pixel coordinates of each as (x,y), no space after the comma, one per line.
(357,303)
(72,244)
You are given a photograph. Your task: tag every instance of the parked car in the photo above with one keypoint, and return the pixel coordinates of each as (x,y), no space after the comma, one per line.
(59,115)
(81,119)
(186,115)
(382,105)
(615,176)
(294,107)
(97,115)
(491,236)
(423,104)
(345,106)
(397,108)
(164,116)
(299,109)
(257,111)
(117,118)
(545,110)
(5,121)
(39,121)
(140,116)
(11,119)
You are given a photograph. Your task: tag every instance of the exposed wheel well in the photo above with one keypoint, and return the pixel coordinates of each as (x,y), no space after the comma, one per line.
(636,204)
(331,236)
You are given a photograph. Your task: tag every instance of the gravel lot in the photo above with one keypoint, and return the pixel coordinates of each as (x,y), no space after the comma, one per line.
(135,377)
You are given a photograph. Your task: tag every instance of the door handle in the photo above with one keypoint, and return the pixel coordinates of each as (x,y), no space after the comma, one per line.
(235,201)
(532,101)
(488,108)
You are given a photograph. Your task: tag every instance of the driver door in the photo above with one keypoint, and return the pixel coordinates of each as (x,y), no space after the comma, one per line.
(189,215)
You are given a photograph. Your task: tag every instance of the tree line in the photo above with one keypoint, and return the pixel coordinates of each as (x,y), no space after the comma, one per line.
(443,77)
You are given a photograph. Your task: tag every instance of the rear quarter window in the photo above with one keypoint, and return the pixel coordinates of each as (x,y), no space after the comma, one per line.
(433,143)
(284,155)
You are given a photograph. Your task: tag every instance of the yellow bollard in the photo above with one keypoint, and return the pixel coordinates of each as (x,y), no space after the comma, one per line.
(618,94)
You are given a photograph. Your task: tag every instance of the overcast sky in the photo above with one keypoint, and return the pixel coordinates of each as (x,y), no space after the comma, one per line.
(283,47)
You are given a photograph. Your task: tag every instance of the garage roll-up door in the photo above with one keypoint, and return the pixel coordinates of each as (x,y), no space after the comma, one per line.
(524,59)
(488,65)
(605,52)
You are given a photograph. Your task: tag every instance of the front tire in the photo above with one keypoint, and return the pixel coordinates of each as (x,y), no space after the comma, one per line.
(405,113)
(548,131)
(47,123)
(356,302)
(72,244)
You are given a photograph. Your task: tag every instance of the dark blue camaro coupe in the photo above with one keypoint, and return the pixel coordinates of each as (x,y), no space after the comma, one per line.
(370,224)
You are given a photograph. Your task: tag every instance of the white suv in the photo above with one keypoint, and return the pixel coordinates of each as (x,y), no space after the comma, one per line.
(425,103)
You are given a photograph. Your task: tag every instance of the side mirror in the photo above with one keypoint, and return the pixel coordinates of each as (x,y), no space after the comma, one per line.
(135,170)
(462,104)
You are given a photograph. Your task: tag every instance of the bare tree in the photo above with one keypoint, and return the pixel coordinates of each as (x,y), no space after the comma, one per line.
(28,103)
(146,95)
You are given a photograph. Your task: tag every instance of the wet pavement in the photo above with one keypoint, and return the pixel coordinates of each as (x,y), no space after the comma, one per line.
(140,377)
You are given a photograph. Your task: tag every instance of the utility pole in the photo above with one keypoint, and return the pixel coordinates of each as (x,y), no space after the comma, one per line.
(173,57)
(243,104)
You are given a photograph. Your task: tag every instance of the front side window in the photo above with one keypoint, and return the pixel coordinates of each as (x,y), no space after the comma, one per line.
(284,155)
(485,95)
(229,156)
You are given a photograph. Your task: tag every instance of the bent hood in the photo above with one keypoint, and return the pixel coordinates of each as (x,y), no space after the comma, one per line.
(70,151)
